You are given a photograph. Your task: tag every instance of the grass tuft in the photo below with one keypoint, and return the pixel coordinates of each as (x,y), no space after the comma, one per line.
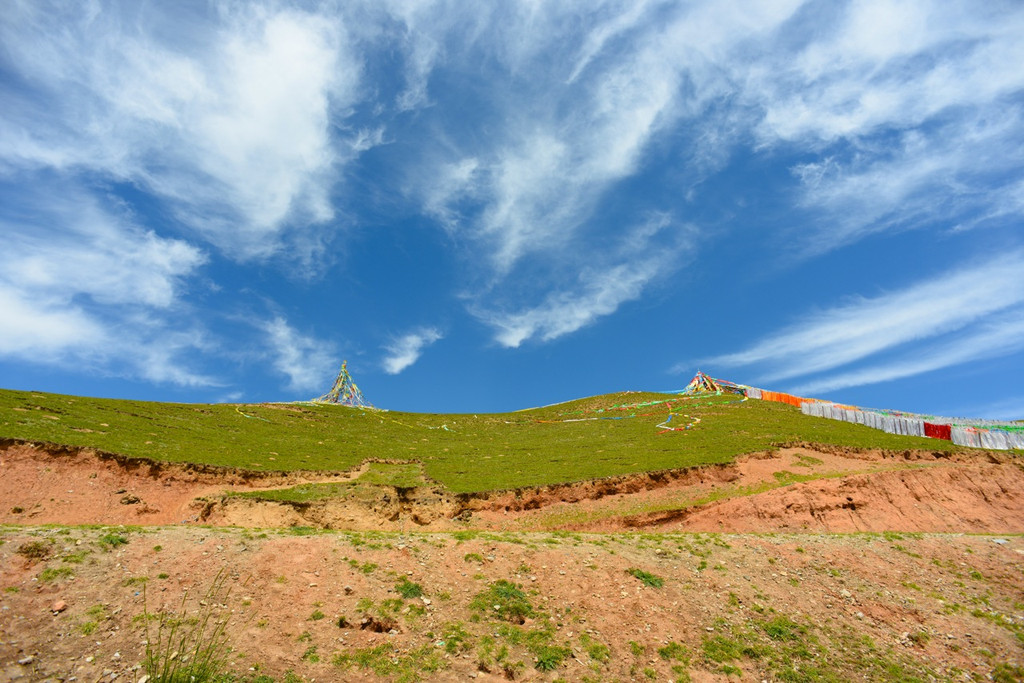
(647,578)
(189,649)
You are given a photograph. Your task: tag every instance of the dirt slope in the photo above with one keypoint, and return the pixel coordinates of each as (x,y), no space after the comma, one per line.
(794,607)
(947,498)
(802,487)
(301,604)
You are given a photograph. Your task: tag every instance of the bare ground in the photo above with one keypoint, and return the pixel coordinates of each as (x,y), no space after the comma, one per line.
(945,602)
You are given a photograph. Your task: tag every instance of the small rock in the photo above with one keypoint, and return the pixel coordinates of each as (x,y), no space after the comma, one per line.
(845,593)
(710,629)
(27,660)
(426,601)
(130,499)
(58,607)
(1000,541)
(348,590)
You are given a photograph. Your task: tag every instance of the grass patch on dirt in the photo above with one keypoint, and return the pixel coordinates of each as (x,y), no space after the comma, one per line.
(613,434)
(387,660)
(402,475)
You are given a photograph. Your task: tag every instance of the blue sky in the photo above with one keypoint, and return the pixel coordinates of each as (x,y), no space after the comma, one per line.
(491,206)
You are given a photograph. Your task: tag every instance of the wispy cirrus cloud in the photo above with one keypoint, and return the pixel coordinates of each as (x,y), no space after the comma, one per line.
(973,310)
(407,349)
(911,110)
(525,192)
(568,134)
(600,293)
(306,361)
(999,336)
(647,252)
(82,286)
(230,123)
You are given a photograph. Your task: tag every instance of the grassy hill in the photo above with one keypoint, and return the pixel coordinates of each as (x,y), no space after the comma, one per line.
(584,439)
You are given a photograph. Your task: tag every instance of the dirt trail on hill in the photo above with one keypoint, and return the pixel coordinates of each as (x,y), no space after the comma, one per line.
(798,487)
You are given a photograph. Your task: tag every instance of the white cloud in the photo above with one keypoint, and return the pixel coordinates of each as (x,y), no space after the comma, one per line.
(83,287)
(42,331)
(963,171)
(911,109)
(576,115)
(648,251)
(75,247)
(887,63)
(407,349)
(231,124)
(846,334)
(600,294)
(306,361)
(995,338)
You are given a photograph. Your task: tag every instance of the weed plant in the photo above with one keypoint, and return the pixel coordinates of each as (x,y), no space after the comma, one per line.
(189,649)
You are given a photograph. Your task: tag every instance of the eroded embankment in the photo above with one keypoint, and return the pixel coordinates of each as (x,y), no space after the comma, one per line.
(797,486)
(983,498)
(43,483)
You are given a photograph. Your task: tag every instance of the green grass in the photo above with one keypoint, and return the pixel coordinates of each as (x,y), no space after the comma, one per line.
(386,660)
(476,453)
(185,648)
(647,578)
(55,573)
(504,600)
(408,589)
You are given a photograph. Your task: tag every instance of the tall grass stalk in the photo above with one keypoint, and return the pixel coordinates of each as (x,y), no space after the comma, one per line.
(189,649)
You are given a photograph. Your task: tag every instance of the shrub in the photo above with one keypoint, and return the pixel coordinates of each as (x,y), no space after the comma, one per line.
(54,574)
(456,638)
(34,550)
